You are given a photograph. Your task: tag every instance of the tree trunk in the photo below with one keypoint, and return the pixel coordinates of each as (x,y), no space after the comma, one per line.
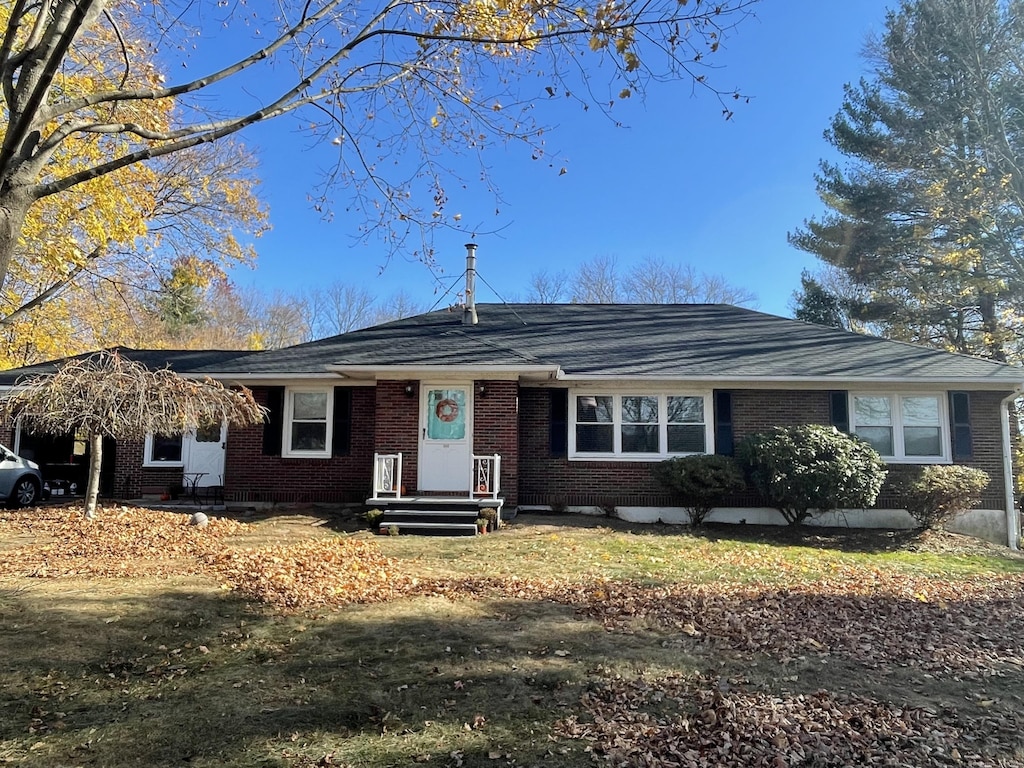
(92,491)
(14,207)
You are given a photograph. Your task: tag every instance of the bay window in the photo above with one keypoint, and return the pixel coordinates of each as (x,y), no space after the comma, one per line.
(642,426)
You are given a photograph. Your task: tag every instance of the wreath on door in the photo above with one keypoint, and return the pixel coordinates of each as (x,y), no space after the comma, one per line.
(446,410)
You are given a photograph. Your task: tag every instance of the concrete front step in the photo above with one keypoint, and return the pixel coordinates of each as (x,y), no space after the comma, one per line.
(431,529)
(432,515)
(449,516)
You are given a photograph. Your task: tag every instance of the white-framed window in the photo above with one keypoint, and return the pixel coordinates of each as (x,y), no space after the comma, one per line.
(307,422)
(642,426)
(164,451)
(908,427)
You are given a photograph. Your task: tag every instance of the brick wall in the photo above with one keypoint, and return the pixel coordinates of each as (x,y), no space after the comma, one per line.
(496,430)
(544,479)
(755,410)
(249,475)
(132,480)
(384,419)
(397,427)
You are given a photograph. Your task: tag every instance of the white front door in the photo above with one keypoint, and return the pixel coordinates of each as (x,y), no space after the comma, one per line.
(203,451)
(446,437)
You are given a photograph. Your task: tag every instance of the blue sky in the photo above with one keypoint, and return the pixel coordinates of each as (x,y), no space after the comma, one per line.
(677,182)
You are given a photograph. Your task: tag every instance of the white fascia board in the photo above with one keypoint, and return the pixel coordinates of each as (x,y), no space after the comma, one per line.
(803,382)
(263,379)
(510,372)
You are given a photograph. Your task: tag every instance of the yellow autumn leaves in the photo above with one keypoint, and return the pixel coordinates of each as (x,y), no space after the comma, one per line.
(506,27)
(121,228)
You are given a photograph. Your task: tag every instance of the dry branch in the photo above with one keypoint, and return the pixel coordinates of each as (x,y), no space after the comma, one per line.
(107,395)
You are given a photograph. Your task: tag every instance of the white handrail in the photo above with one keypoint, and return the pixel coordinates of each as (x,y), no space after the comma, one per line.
(387,475)
(486,476)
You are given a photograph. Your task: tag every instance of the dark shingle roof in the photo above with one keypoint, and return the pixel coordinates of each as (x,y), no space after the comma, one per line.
(179,360)
(713,341)
(663,341)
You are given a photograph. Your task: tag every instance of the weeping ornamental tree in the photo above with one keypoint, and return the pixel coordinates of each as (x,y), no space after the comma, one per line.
(107,396)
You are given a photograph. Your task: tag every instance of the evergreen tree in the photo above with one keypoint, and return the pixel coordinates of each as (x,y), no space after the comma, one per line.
(814,303)
(926,217)
(179,303)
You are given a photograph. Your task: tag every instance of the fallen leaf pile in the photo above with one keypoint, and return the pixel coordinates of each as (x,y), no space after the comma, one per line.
(682,722)
(120,541)
(967,627)
(970,627)
(964,627)
(334,571)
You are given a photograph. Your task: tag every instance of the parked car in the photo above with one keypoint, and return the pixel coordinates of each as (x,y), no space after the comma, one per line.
(21,482)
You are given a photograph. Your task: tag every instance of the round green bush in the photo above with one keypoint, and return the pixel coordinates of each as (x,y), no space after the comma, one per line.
(935,493)
(699,482)
(811,469)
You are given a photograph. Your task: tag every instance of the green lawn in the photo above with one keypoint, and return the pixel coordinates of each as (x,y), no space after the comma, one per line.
(554,642)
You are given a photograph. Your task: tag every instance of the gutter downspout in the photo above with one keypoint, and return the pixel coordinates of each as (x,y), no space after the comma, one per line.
(1012,515)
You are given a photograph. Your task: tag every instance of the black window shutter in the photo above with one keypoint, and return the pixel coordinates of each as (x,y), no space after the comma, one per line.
(274,425)
(839,410)
(558,422)
(724,443)
(960,416)
(342,441)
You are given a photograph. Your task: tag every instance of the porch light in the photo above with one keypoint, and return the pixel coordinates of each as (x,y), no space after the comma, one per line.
(410,389)
(482,390)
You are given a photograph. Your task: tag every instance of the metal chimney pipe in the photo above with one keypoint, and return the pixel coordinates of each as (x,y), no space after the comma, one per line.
(469,314)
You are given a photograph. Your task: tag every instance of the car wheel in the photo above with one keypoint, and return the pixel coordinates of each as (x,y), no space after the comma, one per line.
(26,492)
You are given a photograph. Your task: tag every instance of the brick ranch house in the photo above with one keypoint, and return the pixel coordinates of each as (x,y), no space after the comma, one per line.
(567,406)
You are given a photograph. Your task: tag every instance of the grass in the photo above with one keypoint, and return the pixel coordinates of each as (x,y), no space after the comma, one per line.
(178,670)
(606,549)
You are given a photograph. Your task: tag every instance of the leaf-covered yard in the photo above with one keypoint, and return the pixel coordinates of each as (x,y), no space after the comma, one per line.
(135,639)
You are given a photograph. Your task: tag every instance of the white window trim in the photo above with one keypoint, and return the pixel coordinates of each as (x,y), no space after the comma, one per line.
(899,456)
(286,438)
(147,457)
(616,423)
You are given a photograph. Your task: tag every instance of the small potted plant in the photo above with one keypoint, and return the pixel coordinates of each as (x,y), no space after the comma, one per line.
(490,514)
(481,525)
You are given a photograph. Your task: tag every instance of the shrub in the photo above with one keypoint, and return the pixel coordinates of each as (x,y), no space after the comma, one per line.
(373,516)
(811,467)
(699,482)
(933,494)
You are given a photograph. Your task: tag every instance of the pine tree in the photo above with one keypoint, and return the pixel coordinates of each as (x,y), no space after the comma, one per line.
(926,217)
(814,303)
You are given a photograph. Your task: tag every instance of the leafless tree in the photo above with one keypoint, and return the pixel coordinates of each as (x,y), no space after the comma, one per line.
(548,287)
(652,281)
(598,282)
(657,281)
(396,306)
(338,308)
